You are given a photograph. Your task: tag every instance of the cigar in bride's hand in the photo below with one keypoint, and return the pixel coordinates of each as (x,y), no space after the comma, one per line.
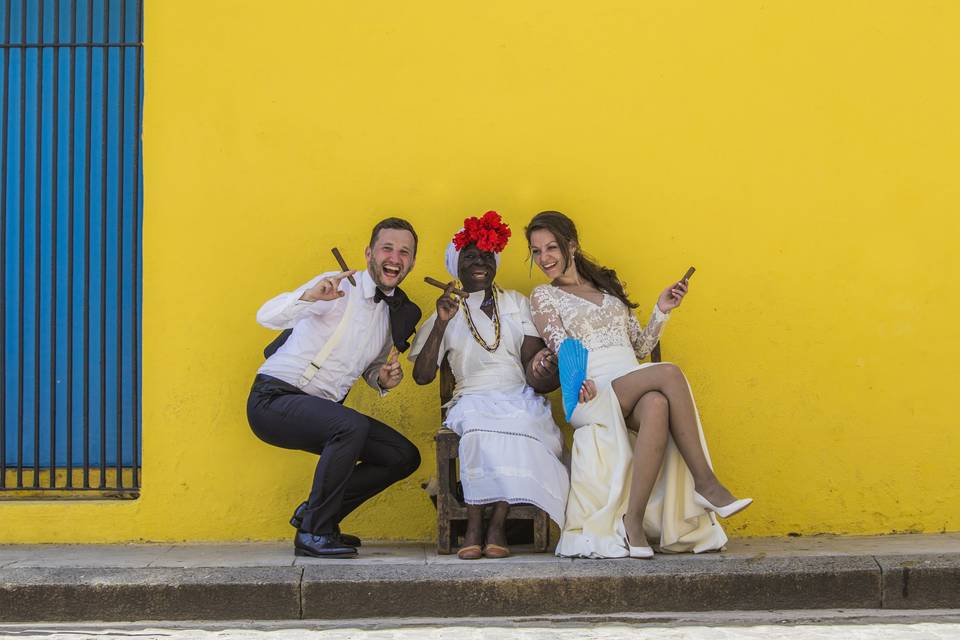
(443,285)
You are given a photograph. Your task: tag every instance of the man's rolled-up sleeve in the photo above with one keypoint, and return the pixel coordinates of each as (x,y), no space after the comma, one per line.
(283,311)
(372,372)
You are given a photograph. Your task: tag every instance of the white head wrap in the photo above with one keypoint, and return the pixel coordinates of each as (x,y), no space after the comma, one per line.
(452,259)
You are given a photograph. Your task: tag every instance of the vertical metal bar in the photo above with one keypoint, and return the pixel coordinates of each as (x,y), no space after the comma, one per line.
(54,214)
(105,84)
(86,261)
(37,278)
(135,255)
(3,250)
(71,191)
(120,158)
(23,188)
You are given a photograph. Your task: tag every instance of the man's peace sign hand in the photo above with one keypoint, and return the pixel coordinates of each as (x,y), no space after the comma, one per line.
(327,288)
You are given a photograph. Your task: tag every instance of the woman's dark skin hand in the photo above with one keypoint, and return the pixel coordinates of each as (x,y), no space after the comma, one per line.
(539,365)
(425,367)
(447,305)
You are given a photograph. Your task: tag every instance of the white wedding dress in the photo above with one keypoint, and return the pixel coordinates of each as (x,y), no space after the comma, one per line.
(601,465)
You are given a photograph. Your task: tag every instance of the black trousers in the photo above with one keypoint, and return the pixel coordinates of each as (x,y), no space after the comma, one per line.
(359,456)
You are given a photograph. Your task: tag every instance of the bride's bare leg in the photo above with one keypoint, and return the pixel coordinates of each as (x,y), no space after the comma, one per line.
(649,418)
(669,380)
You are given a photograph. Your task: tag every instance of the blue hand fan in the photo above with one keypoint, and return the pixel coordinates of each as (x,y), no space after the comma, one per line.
(572,357)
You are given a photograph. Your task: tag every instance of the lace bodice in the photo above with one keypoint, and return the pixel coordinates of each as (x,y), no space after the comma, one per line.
(558,315)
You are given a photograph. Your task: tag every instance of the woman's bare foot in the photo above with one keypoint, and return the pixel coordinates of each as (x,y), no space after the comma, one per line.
(496,539)
(497,535)
(473,536)
(496,544)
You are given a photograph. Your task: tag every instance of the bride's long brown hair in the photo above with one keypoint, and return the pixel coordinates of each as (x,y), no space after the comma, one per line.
(563,229)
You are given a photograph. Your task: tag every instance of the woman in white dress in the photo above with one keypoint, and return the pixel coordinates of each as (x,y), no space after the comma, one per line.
(625,488)
(510,446)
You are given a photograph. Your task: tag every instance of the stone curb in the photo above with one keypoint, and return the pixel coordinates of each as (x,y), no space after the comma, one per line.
(55,595)
(920,582)
(345,590)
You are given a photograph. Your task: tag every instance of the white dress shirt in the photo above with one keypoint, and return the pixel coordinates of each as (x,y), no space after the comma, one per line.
(363,347)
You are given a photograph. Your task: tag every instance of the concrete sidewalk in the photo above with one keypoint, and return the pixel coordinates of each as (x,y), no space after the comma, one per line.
(264,581)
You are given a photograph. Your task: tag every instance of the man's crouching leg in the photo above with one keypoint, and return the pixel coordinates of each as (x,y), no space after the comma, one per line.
(387,457)
(338,435)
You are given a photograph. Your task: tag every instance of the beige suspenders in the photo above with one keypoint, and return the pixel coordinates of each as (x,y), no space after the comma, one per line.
(352,300)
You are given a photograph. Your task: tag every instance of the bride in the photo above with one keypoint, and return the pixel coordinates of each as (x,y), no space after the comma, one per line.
(625,489)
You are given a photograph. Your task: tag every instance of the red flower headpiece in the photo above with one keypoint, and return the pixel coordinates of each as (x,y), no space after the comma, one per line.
(489,232)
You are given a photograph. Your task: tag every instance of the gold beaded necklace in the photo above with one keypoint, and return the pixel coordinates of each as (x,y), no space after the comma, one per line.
(496,323)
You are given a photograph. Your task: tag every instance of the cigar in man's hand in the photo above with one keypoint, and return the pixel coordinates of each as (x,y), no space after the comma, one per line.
(443,285)
(343,265)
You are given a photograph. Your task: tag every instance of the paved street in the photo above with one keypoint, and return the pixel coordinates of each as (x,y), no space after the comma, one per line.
(766,625)
(921,631)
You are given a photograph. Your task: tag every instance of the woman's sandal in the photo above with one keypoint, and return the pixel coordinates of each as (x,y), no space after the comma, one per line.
(495,551)
(472,552)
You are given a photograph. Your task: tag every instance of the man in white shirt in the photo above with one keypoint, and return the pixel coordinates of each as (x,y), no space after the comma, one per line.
(339,331)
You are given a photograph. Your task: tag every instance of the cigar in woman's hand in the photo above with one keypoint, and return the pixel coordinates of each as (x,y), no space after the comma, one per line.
(443,285)
(343,265)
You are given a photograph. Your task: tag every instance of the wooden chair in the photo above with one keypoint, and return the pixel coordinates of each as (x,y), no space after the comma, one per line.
(451,512)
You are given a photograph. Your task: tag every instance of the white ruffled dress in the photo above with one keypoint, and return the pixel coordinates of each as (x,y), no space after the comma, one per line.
(510,446)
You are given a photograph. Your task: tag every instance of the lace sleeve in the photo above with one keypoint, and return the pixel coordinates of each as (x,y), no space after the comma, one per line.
(644,339)
(546,317)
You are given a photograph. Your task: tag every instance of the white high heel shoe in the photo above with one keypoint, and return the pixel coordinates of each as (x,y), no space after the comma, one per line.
(644,553)
(725,511)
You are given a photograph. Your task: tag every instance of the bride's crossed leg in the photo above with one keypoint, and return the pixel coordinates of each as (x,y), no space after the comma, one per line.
(656,401)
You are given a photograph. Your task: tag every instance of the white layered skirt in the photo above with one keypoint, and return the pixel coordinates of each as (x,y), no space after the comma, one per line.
(510,450)
(601,471)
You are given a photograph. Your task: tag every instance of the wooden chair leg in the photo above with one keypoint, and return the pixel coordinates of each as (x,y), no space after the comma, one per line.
(541,532)
(444,533)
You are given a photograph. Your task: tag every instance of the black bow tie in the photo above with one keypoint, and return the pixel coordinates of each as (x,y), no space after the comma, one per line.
(394,302)
(404,316)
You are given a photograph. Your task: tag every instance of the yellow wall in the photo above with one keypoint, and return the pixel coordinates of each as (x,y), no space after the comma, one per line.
(803,155)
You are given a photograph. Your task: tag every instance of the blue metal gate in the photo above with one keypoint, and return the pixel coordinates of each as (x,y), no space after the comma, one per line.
(71,204)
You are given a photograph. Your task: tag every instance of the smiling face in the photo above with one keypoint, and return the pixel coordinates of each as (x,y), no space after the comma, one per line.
(546,251)
(391,257)
(476,268)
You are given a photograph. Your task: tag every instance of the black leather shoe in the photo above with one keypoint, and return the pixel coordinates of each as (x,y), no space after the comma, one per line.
(322,546)
(297,521)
